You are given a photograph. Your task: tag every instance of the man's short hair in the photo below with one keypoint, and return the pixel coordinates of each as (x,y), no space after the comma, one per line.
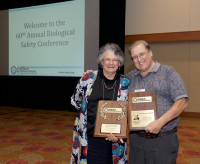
(147,46)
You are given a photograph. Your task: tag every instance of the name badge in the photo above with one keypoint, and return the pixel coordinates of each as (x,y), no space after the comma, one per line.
(140,90)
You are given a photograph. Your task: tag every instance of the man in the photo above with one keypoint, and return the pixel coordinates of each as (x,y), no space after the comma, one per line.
(159,143)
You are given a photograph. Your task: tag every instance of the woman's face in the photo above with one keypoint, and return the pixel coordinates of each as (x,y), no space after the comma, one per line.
(110,62)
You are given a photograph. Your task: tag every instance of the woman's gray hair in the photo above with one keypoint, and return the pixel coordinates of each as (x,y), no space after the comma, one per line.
(111,47)
(147,46)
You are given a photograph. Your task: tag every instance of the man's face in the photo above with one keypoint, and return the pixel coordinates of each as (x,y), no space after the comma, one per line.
(142,59)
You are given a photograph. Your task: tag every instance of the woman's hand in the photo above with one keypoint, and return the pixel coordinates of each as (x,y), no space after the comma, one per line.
(112,138)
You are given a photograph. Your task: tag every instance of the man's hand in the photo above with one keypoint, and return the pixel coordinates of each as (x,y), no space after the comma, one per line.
(84,73)
(153,127)
(112,138)
(176,109)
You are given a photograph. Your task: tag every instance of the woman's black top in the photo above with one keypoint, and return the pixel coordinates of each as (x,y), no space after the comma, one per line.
(96,95)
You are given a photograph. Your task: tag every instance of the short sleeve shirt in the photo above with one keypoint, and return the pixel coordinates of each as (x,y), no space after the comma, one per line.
(168,85)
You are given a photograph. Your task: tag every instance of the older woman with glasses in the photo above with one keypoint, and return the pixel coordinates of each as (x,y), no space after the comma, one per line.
(106,84)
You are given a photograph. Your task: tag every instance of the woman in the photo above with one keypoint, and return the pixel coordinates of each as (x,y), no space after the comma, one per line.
(105,84)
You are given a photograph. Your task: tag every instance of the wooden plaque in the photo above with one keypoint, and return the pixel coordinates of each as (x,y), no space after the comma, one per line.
(111,117)
(142,109)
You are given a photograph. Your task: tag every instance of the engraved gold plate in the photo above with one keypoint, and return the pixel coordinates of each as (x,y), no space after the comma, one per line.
(111,128)
(141,99)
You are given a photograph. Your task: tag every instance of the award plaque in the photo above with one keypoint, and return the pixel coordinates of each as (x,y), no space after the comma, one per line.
(142,109)
(111,117)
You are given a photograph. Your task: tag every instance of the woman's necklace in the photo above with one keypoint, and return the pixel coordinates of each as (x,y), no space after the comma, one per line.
(109,88)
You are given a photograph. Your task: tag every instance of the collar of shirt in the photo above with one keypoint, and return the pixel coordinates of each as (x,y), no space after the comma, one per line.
(107,80)
(154,69)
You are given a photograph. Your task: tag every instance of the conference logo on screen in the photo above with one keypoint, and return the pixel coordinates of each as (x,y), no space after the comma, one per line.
(13,70)
(22,70)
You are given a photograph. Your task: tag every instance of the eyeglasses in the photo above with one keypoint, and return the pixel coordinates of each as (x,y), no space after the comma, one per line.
(140,55)
(107,60)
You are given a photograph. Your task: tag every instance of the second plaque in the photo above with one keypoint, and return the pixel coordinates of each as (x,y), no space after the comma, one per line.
(142,109)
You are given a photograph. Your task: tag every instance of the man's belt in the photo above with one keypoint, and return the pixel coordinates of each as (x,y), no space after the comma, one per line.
(151,135)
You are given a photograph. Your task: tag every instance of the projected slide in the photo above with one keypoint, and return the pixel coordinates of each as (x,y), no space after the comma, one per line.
(47,40)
